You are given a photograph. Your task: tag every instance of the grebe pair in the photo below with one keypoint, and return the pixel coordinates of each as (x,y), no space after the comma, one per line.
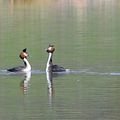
(27,67)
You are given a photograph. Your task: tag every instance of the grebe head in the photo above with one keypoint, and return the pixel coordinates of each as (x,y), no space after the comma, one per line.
(23,54)
(50,49)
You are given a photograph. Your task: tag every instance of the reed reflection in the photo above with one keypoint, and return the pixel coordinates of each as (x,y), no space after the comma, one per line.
(24,84)
(45,2)
(21,1)
(29,2)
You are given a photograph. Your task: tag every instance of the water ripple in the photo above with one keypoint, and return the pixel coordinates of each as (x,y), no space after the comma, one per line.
(81,72)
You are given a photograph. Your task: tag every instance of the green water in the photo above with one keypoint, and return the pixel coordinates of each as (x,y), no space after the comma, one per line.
(86,36)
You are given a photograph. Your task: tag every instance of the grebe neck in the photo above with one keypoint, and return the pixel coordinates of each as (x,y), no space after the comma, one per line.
(27,65)
(49,62)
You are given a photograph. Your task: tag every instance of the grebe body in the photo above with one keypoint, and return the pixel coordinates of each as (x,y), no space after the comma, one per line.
(56,68)
(27,67)
(50,66)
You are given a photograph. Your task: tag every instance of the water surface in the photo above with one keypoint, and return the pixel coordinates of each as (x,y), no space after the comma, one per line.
(86,36)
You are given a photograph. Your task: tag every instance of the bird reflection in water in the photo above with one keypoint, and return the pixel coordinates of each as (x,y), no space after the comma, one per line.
(24,85)
(49,77)
(50,80)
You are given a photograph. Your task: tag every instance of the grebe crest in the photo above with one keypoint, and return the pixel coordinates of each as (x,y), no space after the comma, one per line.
(27,67)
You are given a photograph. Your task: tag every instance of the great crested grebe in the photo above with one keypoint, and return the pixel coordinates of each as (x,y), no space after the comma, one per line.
(50,66)
(27,67)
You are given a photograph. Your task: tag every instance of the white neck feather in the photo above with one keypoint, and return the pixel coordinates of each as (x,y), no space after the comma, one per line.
(48,65)
(27,65)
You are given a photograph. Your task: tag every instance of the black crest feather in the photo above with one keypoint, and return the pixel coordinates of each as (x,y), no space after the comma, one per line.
(24,50)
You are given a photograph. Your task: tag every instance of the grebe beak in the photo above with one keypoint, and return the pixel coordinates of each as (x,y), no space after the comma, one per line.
(47,50)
